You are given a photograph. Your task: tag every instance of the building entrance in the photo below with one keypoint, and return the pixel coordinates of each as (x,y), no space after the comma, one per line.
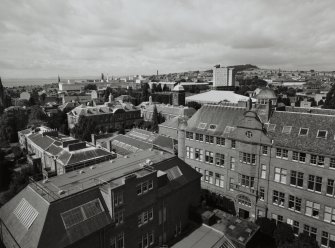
(244,214)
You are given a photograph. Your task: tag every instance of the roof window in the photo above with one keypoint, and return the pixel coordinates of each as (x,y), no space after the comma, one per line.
(212,126)
(287,129)
(229,129)
(322,134)
(202,125)
(303,131)
(272,127)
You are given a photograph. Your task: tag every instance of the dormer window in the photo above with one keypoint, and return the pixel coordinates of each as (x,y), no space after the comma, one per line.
(229,129)
(322,134)
(287,129)
(271,127)
(202,125)
(303,131)
(212,126)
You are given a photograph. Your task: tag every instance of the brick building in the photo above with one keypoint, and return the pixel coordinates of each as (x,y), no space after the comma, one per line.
(139,201)
(276,164)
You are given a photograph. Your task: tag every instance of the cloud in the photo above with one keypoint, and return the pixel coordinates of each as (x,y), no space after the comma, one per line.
(81,37)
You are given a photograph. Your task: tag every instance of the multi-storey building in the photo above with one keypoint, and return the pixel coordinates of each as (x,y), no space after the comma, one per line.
(58,153)
(276,164)
(138,201)
(111,115)
(223,76)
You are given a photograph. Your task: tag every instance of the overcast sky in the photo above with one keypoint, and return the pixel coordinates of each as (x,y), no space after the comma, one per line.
(42,38)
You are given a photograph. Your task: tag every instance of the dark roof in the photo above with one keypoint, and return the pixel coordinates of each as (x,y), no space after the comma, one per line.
(53,149)
(310,142)
(42,141)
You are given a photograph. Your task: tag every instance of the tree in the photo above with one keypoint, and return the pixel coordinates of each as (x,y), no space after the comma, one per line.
(37,116)
(90,87)
(330,99)
(145,92)
(283,235)
(108,91)
(166,88)
(194,105)
(304,241)
(154,120)
(321,102)
(84,128)
(267,226)
(59,121)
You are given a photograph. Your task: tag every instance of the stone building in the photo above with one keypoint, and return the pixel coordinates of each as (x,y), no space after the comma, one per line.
(261,162)
(138,201)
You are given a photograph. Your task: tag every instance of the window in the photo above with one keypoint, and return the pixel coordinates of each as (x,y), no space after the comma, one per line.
(247,181)
(327,239)
(112,242)
(261,193)
(280,175)
(330,187)
(295,225)
(247,158)
(232,163)
(145,217)
(189,135)
(233,144)
(202,125)
(271,127)
(209,176)
(220,141)
(199,154)
(219,159)
(294,203)
(120,240)
(287,129)
(209,139)
(317,160)
(311,231)
(243,200)
(189,152)
(322,134)
(314,183)
(297,179)
(281,153)
(263,172)
(277,218)
(209,157)
(118,198)
(212,126)
(144,187)
(303,131)
(231,184)
(119,217)
(146,240)
(312,209)
(329,215)
(200,171)
(199,137)
(299,156)
(219,180)
(332,163)
(278,198)
(264,150)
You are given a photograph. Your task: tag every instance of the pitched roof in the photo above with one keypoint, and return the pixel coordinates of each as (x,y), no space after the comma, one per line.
(309,142)
(43,141)
(216,96)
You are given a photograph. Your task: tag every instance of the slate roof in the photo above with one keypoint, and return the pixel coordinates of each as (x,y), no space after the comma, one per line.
(42,141)
(308,143)
(172,123)
(171,110)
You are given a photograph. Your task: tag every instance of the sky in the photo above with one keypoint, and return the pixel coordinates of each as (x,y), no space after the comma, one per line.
(46,38)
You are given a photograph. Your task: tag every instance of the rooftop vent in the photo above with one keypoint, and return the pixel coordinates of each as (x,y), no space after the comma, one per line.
(61,192)
(81,172)
(92,167)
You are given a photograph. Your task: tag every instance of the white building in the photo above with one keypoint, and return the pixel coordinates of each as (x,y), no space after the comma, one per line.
(223,76)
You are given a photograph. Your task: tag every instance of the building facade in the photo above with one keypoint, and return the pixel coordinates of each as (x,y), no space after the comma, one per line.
(223,76)
(268,163)
(139,201)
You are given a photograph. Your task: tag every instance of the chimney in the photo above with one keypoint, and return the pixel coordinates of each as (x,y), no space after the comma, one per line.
(93,141)
(181,139)
(109,145)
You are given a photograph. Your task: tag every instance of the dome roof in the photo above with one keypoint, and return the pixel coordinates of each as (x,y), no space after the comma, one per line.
(178,87)
(266,94)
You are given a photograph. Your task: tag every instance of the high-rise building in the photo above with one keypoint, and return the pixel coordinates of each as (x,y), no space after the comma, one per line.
(257,161)
(223,76)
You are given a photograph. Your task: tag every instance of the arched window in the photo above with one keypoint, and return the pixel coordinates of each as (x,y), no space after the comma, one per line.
(244,200)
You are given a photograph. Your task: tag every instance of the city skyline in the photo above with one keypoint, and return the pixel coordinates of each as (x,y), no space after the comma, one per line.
(44,39)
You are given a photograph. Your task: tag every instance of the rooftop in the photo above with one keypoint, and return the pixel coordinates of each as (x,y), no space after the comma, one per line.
(113,170)
(217,96)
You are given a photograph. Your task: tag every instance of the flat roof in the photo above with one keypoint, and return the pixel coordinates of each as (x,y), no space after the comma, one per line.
(85,178)
(204,236)
(216,96)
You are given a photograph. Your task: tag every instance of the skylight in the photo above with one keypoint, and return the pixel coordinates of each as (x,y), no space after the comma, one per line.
(212,126)
(272,127)
(303,131)
(322,134)
(287,129)
(25,213)
(173,173)
(81,213)
(202,125)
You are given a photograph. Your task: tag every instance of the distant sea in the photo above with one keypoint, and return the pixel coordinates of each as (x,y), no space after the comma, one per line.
(15,82)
